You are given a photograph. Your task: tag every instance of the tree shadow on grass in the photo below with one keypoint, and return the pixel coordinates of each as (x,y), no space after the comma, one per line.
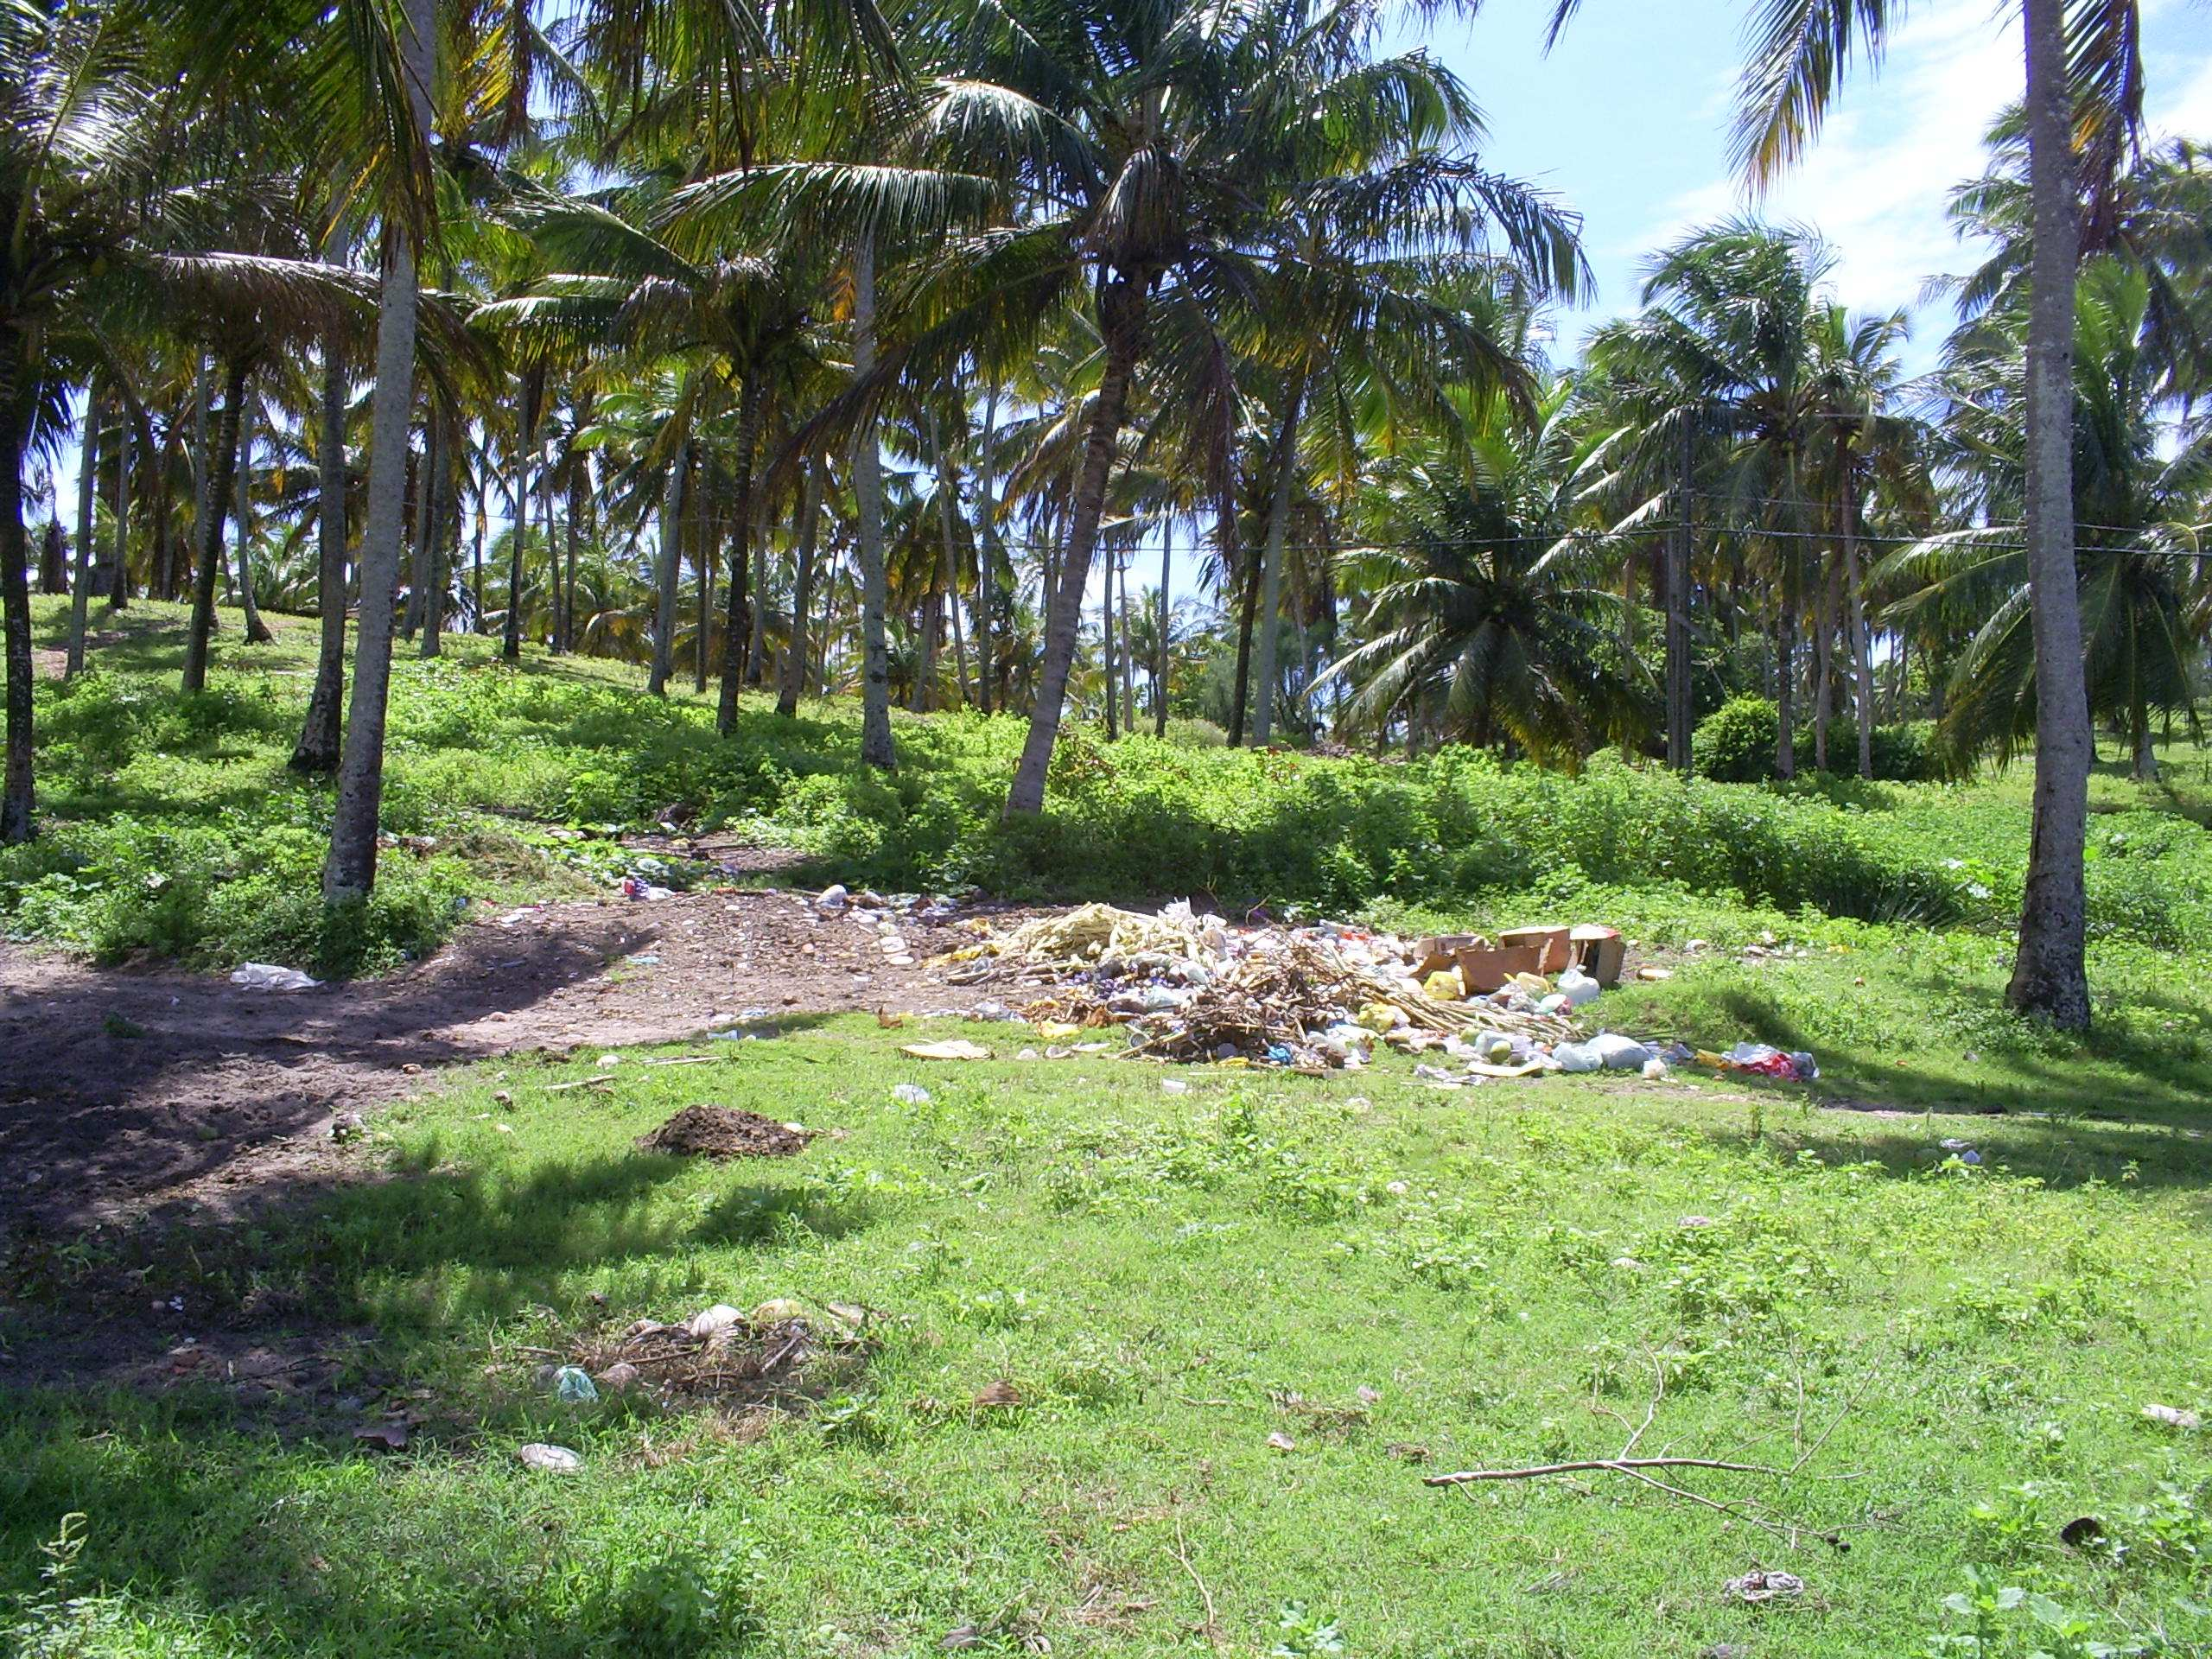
(274,1514)
(2116,1075)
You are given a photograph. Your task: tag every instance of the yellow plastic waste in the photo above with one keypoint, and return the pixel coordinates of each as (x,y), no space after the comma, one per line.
(1382,1016)
(1534,984)
(1057,1031)
(1445,986)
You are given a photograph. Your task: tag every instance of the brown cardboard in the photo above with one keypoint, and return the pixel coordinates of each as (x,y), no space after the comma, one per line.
(1600,952)
(1486,968)
(1550,944)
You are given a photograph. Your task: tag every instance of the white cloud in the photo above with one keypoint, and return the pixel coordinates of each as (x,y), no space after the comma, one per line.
(1876,182)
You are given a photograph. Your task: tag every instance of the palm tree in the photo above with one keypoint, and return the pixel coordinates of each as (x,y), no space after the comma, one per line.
(2084,105)
(1154,145)
(2136,567)
(74,118)
(1481,622)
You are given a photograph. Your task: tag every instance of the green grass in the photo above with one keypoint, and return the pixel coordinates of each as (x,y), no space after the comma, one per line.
(1168,1280)
(174,830)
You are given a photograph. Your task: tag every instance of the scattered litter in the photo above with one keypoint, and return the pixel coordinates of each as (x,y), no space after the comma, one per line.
(1653,976)
(1175,1086)
(1964,1151)
(2174,1417)
(573,1387)
(723,1132)
(910,1093)
(633,887)
(955,1048)
(549,1459)
(833,900)
(644,959)
(1281,1442)
(1618,1053)
(620,1378)
(346,1125)
(1655,1069)
(2081,1531)
(267,976)
(708,1320)
(1762,1060)
(1761,1584)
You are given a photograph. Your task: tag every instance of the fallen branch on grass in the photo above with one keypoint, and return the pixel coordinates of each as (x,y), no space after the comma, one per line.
(581,1082)
(1622,1465)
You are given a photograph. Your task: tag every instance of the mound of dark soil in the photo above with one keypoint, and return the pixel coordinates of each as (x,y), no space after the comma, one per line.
(722,1132)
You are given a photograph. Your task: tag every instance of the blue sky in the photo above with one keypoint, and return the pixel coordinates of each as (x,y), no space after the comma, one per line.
(1627,122)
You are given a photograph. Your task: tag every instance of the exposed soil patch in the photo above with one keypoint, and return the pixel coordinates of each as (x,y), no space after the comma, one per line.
(775,1356)
(723,1132)
(137,1089)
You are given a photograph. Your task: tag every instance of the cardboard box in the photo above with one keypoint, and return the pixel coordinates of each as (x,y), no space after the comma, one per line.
(1487,967)
(1551,945)
(1599,951)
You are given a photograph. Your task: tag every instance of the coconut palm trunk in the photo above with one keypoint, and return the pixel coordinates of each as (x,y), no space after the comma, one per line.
(750,400)
(81,586)
(1862,651)
(986,547)
(876,749)
(671,556)
(223,468)
(1241,567)
(431,577)
(118,570)
(793,679)
(351,870)
(1122,316)
(1271,563)
(17,798)
(257,630)
(525,435)
(2049,973)
(1159,662)
(317,749)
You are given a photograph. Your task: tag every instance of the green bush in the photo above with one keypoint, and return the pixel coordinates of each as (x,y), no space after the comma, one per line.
(1735,744)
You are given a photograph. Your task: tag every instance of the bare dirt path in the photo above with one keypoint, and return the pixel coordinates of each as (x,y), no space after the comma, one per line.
(123,1091)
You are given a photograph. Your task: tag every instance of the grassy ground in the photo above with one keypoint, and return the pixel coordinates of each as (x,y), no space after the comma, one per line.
(1396,1281)
(1513,1274)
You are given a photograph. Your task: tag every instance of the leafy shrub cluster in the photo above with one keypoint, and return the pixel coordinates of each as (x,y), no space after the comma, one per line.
(1736,743)
(177,831)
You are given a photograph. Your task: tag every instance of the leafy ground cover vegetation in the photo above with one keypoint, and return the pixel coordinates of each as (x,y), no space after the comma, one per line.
(1164,1371)
(175,828)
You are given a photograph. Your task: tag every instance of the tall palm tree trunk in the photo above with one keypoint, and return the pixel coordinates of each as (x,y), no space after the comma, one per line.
(1785,689)
(257,630)
(671,556)
(118,570)
(1122,310)
(2051,972)
(317,749)
(80,588)
(750,400)
(1128,654)
(876,748)
(579,474)
(793,679)
(1271,562)
(526,433)
(1823,669)
(1676,644)
(1106,635)
(756,645)
(1244,569)
(431,578)
(1159,661)
(705,540)
(225,460)
(351,870)
(16,797)
(949,574)
(1862,651)
(987,548)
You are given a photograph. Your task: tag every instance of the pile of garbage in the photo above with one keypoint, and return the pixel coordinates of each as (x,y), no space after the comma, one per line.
(1183,986)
